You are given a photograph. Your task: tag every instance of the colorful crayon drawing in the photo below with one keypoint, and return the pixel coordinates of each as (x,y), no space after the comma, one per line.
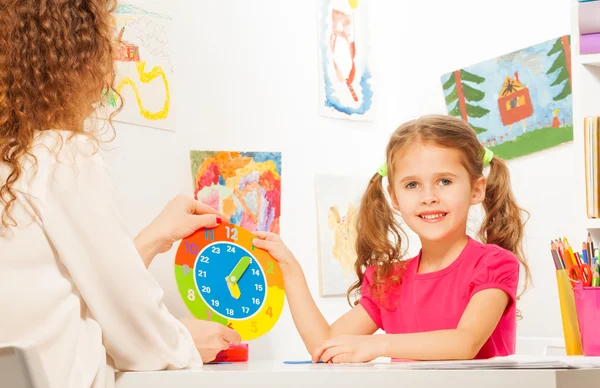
(518,103)
(345,83)
(245,186)
(143,68)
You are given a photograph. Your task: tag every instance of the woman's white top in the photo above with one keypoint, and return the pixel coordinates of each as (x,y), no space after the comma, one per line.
(70,276)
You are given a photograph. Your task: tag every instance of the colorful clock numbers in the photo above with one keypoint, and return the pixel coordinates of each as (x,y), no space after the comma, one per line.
(222,277)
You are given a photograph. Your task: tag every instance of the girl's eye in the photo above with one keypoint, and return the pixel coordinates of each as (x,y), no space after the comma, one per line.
(445,182)
(411,185)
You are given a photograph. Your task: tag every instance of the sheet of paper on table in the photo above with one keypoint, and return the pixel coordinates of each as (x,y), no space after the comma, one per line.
(510,362)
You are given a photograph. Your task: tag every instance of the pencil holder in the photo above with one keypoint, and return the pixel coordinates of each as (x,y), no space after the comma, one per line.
(587,300)
(568,312)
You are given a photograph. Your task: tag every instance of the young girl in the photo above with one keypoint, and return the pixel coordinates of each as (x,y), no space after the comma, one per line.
(455,299)
(74,283)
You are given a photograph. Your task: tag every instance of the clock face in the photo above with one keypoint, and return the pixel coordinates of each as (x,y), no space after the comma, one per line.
(223,278)
(215,287)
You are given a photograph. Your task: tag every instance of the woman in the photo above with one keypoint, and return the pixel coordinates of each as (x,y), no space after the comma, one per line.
(74,282)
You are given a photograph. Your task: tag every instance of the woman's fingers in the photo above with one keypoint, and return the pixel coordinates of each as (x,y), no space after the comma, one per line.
(201,208)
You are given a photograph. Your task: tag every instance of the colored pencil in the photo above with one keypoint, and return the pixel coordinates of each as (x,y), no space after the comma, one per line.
(558,263)
(561,250)
(569,259)
(570,249)
(585,252)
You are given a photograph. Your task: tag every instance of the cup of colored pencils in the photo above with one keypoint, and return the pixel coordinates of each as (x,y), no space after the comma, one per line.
(578,279)
(563,260)
(582,267)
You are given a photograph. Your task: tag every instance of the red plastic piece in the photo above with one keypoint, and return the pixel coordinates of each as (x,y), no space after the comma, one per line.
(235,353)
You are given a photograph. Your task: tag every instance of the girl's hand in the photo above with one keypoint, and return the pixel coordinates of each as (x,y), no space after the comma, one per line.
(349,349)
(273,244)
(180,218)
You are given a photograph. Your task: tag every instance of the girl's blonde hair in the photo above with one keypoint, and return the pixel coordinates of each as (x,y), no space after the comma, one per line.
(503,224)
(56,62)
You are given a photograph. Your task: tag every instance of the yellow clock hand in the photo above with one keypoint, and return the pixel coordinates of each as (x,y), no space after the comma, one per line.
(234,289)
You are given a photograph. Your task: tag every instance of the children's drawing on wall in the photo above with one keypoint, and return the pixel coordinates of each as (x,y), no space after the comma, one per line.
(143,68)
(345,83)
(338,200)
(518,103)
(245,186)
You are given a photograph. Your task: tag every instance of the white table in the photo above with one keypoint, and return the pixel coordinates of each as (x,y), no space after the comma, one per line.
(277,374)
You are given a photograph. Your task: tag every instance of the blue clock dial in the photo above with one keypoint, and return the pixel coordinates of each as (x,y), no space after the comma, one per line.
(233,297)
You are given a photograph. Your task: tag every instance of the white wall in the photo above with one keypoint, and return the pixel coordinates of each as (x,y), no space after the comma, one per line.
(247,80)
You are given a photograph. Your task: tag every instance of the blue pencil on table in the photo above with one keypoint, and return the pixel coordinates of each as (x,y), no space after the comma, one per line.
(302,362)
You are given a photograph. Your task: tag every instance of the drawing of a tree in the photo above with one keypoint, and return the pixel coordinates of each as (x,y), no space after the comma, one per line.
(109,97)
(562,65)
(462,93)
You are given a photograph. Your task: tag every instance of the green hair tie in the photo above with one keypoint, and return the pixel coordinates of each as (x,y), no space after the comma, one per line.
(488,156)
(382,170)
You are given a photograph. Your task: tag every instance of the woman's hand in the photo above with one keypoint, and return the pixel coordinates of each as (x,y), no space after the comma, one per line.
(180,218)
(210,337)
(273,244)
(349,349)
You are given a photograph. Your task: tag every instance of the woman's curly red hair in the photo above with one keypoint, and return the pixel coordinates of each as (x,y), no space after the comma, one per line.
(56,59)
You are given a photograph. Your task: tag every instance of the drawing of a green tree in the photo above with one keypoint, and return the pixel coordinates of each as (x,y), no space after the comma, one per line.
(463,94)
(562,65)
(109,97)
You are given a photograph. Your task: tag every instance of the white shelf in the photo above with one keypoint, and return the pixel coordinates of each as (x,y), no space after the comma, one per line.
(589,59)
(592,223)
(585,69)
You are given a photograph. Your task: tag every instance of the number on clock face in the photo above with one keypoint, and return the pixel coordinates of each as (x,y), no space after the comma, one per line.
(215,264)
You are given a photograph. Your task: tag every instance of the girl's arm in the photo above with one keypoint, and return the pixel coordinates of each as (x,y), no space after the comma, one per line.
(475,327)
(308,319)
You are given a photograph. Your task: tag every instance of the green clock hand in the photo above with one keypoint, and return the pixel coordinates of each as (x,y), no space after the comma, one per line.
(239,270)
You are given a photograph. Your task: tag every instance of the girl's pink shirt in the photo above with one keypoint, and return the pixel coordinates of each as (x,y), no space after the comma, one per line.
(437,300)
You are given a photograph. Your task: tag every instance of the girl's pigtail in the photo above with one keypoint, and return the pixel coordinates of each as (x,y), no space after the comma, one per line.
(375,222)
(503,224)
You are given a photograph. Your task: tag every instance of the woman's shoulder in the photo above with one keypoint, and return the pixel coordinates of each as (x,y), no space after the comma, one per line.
(63,143)
(53,151)
(62,150)
(62,157)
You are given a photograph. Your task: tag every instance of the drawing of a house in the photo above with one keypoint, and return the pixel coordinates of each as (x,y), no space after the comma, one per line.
(514,101)
(126,51)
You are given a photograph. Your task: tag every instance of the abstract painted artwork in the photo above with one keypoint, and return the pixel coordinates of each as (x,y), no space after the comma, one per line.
(345,81)
(143,68)
(245,186)
(338,200)
(518,103)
